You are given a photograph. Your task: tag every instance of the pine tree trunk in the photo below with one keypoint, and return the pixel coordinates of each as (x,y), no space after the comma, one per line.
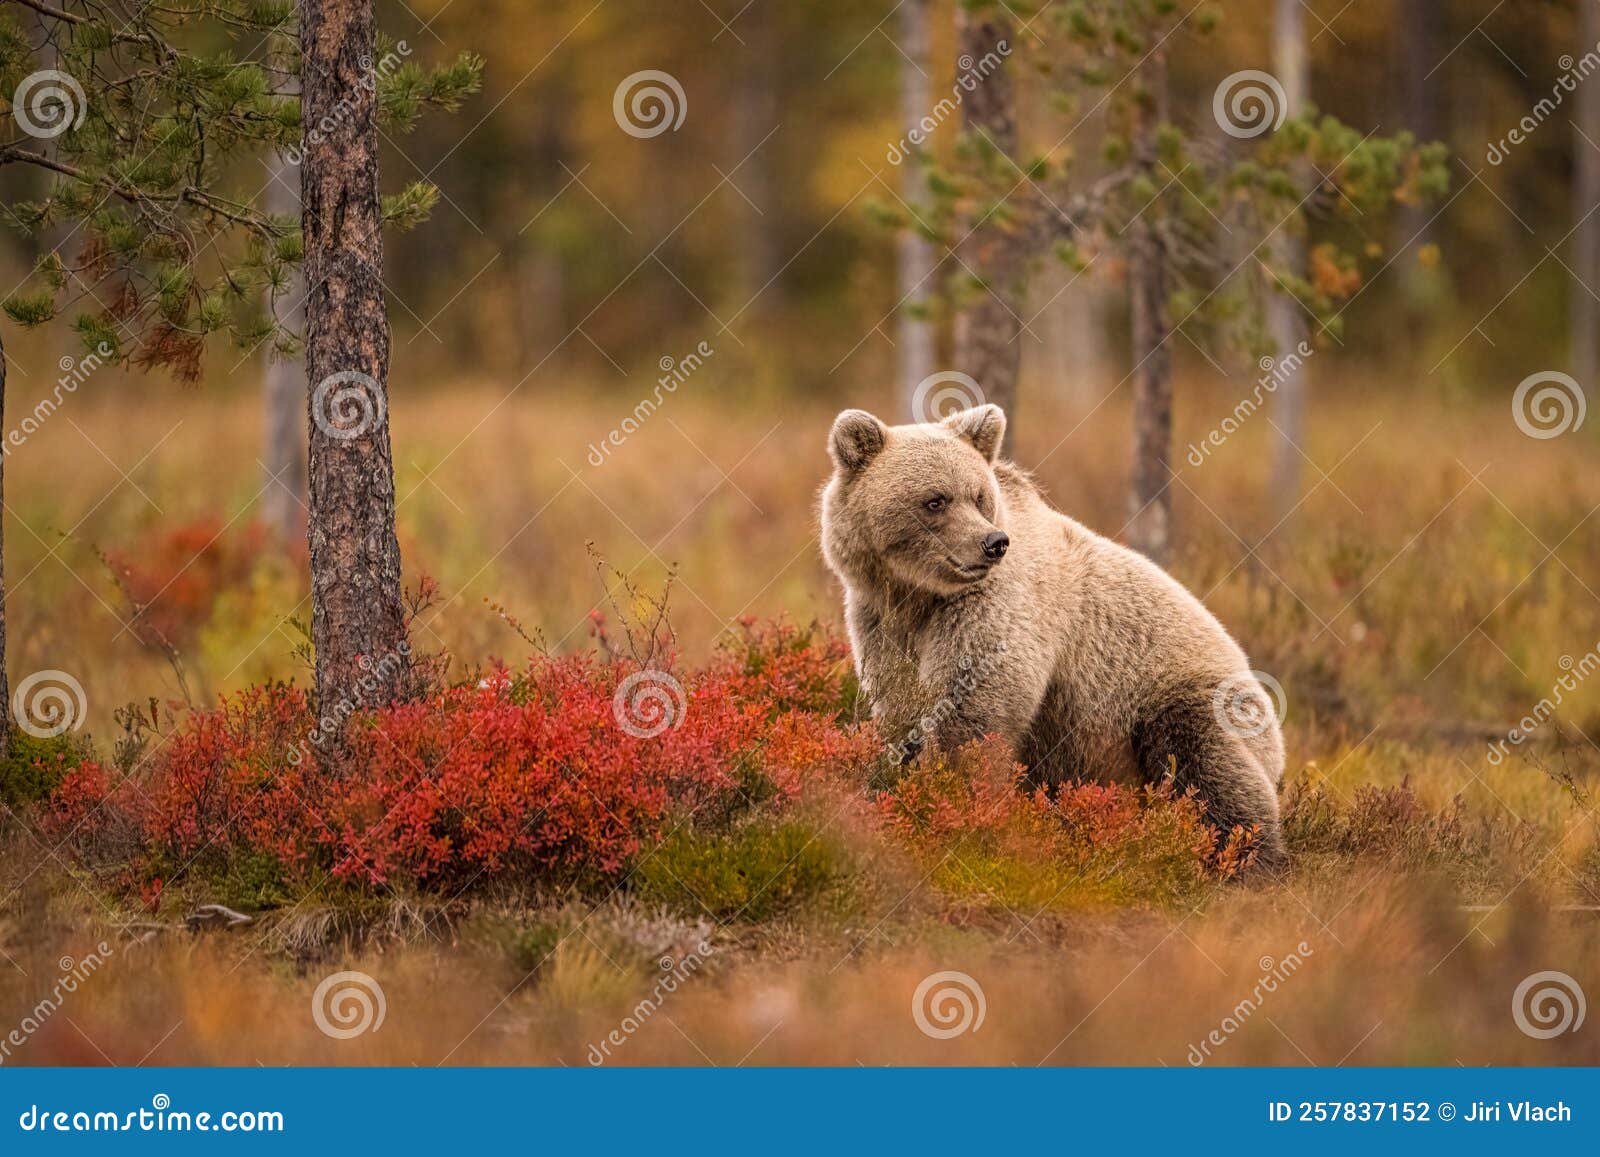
(915,263)
(357,618)
(1150,524)
(1585,311)
(5,685)
(987,345)
(1285,316)
(282,390)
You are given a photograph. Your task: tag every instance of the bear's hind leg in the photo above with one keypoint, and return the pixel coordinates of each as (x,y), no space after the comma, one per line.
(1184,738)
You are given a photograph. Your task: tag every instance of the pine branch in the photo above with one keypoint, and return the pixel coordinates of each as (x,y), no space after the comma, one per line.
(259,223)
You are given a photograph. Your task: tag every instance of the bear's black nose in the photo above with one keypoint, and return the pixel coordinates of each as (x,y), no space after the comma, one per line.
(995,543)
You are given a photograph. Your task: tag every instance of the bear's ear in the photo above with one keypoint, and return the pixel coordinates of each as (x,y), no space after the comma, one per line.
(857,439)
(983,426)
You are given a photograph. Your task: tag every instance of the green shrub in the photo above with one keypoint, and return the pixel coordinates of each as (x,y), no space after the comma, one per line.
(532,947)
(754,873)
(33,767)
(250,880)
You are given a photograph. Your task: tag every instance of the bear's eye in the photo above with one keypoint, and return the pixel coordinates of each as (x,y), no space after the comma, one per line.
(935,504)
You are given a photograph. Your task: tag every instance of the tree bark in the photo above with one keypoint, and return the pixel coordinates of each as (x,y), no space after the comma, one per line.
(1150,524)
(5,685)
(283,381)
(1285,316)
(1422,39)
(357,617)
(1150,521)
(1585,311)
(915,263)
(987,346)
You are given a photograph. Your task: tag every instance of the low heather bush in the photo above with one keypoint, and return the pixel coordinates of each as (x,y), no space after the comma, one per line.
(531,774)
(986,836)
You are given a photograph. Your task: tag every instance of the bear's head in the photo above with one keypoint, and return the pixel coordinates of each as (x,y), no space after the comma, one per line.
(916,506)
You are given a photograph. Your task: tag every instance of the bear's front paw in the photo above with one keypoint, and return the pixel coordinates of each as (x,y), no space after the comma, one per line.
(907,750)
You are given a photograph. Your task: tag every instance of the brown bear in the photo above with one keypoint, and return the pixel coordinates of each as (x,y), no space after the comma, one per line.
(975,608)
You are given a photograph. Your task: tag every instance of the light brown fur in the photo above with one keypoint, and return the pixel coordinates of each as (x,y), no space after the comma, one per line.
(1089,659)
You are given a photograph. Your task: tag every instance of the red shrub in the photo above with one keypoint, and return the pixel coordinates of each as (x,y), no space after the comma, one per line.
(1149,841)
(174,578)
(563,771)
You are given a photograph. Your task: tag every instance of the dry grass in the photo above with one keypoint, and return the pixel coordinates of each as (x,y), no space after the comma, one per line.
(1391,971)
